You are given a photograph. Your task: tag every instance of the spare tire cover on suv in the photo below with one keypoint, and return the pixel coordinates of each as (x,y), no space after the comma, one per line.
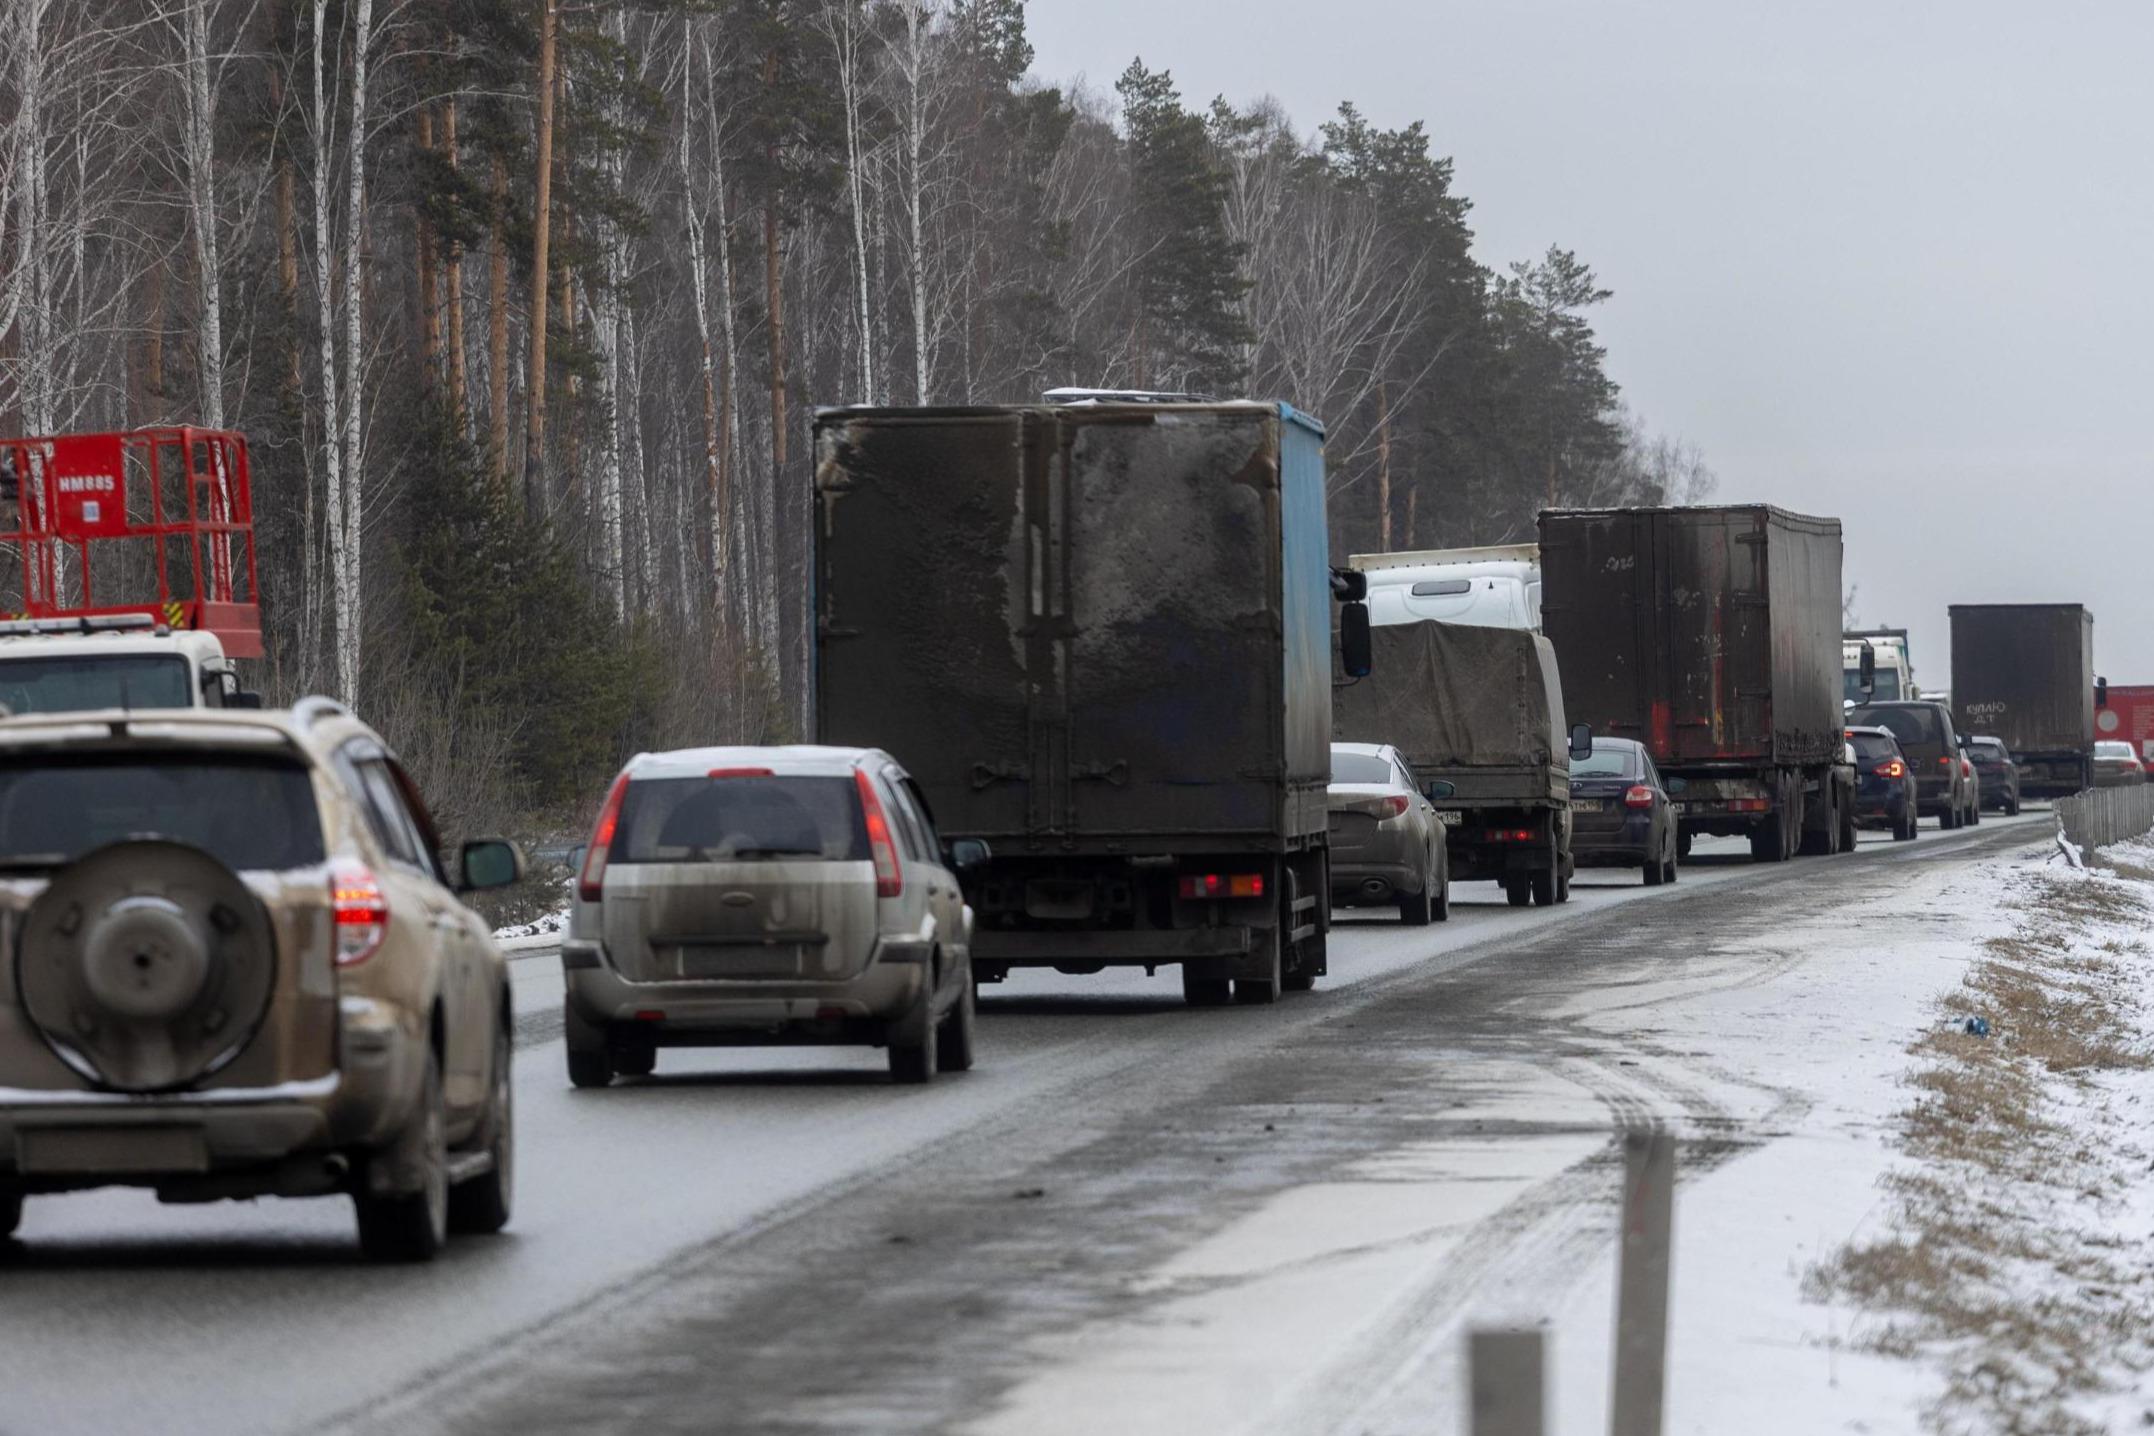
(146,966)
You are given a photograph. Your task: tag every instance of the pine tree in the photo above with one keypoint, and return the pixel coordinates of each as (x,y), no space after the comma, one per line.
(1189,285)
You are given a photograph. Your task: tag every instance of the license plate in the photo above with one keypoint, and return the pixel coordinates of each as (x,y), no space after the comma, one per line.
(720,963)
(1682,808)
(144,1150)
(1450,819)
(1589,805)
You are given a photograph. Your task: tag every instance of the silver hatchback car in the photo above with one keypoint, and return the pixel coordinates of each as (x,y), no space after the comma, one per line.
(767,896)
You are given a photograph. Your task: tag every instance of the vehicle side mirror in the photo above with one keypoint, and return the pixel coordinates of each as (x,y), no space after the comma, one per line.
(488,863)
(243,698)
(2101,693)
(970,854)
(1349,585)
(1438,790)
(1581,742)
(1869,671)
(1356,652)
(574,861)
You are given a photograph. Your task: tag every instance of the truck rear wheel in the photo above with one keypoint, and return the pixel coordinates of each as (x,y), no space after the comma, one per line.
(1541,887)
(1516,893)
(1769,840)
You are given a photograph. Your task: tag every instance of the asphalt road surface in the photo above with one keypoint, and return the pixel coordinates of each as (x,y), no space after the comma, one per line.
(784,1242)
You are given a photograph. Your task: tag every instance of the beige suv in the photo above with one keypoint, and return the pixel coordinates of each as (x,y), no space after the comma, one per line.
(758,896)
(235,966)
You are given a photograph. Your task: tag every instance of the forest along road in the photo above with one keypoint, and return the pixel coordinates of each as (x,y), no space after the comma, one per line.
(785,1238)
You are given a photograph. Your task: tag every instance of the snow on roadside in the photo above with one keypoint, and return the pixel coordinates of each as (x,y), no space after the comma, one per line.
(2009,1259)
(543,931)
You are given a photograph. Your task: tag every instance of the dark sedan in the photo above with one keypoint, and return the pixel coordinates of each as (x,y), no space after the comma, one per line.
(1885,792)
(1997,773)
(1620,813)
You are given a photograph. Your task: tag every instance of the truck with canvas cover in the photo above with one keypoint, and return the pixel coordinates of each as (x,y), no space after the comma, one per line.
(1098,635)
(1712,636)
(2024,672)
(1478,713)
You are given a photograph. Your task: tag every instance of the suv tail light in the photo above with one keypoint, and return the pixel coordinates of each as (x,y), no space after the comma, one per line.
(889,876)
(592,881)
(1639,796)
(359,911)
(1394,807)
(1892,768)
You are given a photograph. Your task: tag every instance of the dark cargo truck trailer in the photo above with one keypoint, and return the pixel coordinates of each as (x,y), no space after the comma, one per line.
(2024,672)
(1712,636)
(1478,714)
(1099,636)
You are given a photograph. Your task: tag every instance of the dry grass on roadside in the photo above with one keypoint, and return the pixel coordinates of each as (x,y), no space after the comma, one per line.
(1996,1254)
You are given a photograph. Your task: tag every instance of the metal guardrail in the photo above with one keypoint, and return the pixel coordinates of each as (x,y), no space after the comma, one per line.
(2098,817)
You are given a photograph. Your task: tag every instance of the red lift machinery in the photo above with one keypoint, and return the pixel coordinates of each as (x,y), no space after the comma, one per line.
(155,523)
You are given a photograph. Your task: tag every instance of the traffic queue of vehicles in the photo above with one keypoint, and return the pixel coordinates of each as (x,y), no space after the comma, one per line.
(1088,694)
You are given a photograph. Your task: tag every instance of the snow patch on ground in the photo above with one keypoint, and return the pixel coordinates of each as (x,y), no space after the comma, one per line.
(546,930)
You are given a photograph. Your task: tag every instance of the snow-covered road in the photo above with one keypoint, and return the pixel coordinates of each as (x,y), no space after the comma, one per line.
(1133,1217)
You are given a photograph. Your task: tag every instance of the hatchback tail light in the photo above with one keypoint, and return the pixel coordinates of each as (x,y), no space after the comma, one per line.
(1640,796)
(592,881)
(889,876)
(359,911)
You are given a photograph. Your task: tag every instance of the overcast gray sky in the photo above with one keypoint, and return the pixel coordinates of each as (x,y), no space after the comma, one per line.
(1889,260)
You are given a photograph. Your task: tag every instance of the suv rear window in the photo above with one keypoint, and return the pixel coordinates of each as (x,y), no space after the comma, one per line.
(690,820)
(1914,724)
(1871,748)
(251,814)
(80,682)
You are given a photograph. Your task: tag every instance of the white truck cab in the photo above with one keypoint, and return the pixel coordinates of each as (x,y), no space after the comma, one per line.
(66,665)
(1498,586)
(1893,675)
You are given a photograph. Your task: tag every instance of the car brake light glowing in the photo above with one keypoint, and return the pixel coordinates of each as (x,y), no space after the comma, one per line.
(1892,768)
(1512,835)
(1640,796)
(889,877)
(1395,806)
(359,912)
(1945,762)
(1196,886)
(592,881)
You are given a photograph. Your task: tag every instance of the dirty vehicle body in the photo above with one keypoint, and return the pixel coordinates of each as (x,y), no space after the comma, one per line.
(1712,636)
(1996,774)
(241,970)
(766,896)
(1935,749)
(1387,840)
(2024,673)
(1621,814)
(1886,793)
(1099,635)
(1478,714)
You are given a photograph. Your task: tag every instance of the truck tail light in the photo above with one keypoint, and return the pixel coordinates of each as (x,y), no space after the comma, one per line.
(359,912)
(1394,807)
(889,876)
(1198,886)
(1512,835)
(1749,805)
(1639,796)
(592,881)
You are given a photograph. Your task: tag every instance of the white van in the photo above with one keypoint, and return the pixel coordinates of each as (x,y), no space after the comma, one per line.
(1497,586)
